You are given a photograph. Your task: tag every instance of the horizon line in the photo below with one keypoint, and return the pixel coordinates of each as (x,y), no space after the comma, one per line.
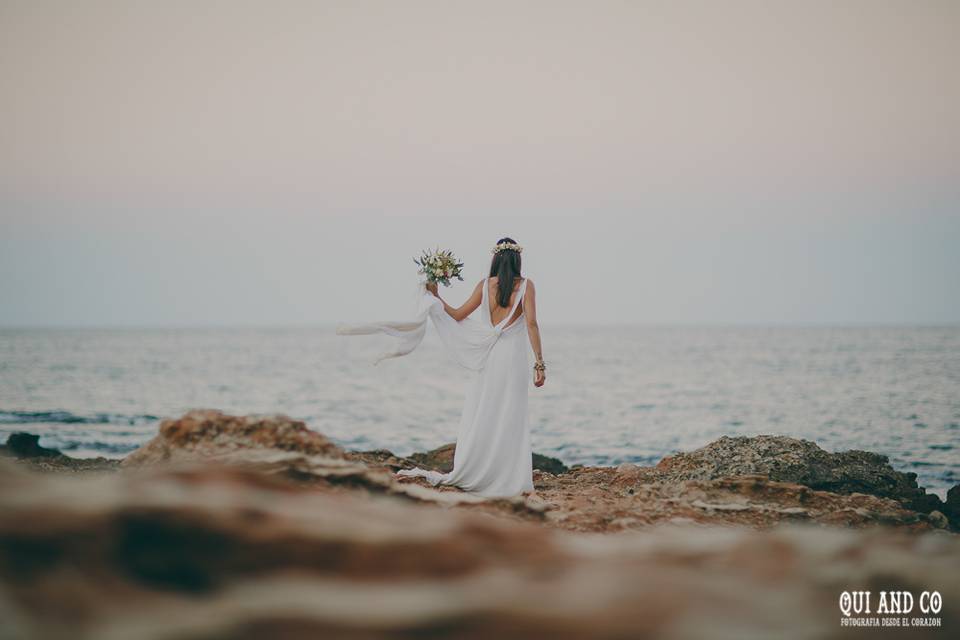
(839,324)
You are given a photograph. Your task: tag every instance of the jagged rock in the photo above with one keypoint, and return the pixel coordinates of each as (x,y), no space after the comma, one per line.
(280,446)
(27,445)
(953,498)
(688,487)
(548,464)
(602,499)
(200,434)
(951,507)
(273,444)
(26,448)
(206,551)
(441,459)
(799,461)
(378,457)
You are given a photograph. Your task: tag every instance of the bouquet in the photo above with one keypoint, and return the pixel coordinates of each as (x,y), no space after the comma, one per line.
(439,266)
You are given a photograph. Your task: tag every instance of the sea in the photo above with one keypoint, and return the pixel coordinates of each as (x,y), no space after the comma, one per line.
(613,394)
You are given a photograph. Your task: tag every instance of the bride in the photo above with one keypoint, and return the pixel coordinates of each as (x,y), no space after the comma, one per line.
(493,457)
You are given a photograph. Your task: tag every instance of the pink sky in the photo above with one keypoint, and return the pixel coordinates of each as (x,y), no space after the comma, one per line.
(228,119)
(421,106)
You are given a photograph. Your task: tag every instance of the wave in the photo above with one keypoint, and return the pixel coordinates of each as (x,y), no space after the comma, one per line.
(67,446)
(66,417)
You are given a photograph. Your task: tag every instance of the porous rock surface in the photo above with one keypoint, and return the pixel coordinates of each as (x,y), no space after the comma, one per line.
(786,459)
(221,551)
(251,527)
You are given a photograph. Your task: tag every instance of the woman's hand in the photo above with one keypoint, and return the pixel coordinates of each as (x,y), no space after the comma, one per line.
(432,288)
(539,377)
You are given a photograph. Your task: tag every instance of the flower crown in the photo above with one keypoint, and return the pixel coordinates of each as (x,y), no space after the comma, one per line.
(504,246)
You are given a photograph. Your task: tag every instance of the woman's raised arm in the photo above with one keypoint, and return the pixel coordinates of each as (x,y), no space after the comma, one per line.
(468,307)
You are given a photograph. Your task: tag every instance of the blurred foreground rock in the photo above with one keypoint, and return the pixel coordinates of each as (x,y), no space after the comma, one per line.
(212,550)
(256,527)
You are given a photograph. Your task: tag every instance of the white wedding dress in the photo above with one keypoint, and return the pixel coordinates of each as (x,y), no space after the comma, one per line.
(493,457)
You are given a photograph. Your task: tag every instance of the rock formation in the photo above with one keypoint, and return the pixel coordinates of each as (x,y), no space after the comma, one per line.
(692,487)
(952,506)
(606,499)
(441,459)
(756,481)
(251,527)
(205,434)
(275,446)
(802,462)
(216,551)
(25,447)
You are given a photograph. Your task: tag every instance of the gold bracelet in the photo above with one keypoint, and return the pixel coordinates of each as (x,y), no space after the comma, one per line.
(540,365)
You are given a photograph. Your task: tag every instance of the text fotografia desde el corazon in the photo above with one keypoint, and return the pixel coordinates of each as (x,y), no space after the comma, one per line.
(892,610)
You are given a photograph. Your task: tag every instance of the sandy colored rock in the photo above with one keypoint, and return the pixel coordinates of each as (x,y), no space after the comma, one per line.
(284,448)
(205,434)
(251,527)
(213,552)
(605,499)
(684,488)
(786,459)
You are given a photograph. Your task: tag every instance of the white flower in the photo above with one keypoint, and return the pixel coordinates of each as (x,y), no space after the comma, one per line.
(438,265)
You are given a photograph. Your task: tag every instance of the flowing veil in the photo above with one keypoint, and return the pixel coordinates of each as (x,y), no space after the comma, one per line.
(468,341)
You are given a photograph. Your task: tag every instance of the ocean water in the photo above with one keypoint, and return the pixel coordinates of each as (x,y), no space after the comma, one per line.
(613,394)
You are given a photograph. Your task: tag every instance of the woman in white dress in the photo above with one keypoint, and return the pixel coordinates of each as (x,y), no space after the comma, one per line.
(493,457)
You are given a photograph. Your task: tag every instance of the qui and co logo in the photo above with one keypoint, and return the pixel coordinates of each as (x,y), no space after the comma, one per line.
(890,609)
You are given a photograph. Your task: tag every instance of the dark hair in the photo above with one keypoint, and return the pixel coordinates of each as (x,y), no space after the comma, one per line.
(506,266)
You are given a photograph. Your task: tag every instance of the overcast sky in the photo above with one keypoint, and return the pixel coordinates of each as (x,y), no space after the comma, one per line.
(236,163)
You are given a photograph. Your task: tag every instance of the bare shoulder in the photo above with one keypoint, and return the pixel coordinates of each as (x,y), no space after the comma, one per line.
(530,294)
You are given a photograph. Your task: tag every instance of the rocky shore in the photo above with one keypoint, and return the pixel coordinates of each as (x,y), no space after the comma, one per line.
(255,526)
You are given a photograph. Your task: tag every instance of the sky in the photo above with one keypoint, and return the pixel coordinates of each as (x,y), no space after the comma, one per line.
(280,163)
